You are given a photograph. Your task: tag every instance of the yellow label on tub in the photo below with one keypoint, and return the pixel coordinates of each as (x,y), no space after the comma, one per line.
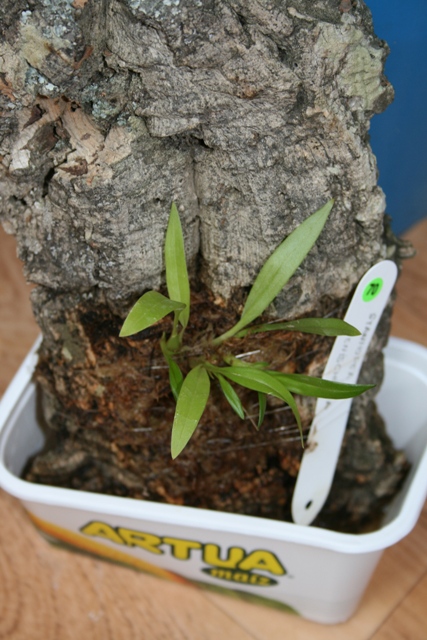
(233,564)
(91,546)
(230,564)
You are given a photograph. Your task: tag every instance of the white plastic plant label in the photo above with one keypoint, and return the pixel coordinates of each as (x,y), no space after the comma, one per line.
(330,420)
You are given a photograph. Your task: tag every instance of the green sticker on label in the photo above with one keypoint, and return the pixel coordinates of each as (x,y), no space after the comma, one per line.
(372,289)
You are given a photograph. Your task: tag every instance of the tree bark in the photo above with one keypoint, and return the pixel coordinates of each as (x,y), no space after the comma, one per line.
(249,115)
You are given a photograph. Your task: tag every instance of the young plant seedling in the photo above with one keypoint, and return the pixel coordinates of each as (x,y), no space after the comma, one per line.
(192,391)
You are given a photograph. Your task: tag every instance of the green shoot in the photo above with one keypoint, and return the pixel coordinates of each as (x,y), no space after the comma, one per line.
(175,374)
(261,381)
(176,267)
(190,406)
(319,387)
(191,392)
(279,268)
(320,326)
(231,395)
(149,309)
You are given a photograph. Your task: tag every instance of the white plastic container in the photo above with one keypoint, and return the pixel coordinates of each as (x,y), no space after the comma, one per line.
(318,574)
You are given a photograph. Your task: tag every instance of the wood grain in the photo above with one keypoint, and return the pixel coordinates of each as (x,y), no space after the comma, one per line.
(47,593)
(409,620)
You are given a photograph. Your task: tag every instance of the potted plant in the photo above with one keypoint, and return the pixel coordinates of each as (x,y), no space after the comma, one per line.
(227,552)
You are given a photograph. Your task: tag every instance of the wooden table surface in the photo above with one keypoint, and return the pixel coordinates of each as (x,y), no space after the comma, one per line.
(51,594)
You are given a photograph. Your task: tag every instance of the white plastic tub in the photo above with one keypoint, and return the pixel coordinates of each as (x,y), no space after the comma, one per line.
(317,573)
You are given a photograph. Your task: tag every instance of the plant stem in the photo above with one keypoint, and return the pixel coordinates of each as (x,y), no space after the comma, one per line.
(228,334)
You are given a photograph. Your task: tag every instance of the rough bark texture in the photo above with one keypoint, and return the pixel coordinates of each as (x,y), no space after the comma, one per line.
(248,114)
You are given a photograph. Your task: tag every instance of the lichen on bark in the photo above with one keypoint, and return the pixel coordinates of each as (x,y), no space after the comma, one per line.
(250,115)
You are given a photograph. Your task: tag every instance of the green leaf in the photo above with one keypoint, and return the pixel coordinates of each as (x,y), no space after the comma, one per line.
(176,267)
(322,327)
(283,263)
(319,326)
(240,362)
(175,375)
(150,308)
(191,403)
(279,268)
(262,381)
(175,378)
(319,387)
(262,404)
(231,396)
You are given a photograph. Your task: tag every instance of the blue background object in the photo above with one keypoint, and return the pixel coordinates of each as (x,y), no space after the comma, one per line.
(399,134)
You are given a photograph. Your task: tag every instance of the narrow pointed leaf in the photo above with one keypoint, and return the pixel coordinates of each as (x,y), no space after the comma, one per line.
(231,395)
(175,378)
(176,267)
(191,403)
(265,382)
(240,362)
(146,311)
(262,404)
(175,375)
(320,326)
(279,268)
(283,263)
(319,387)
